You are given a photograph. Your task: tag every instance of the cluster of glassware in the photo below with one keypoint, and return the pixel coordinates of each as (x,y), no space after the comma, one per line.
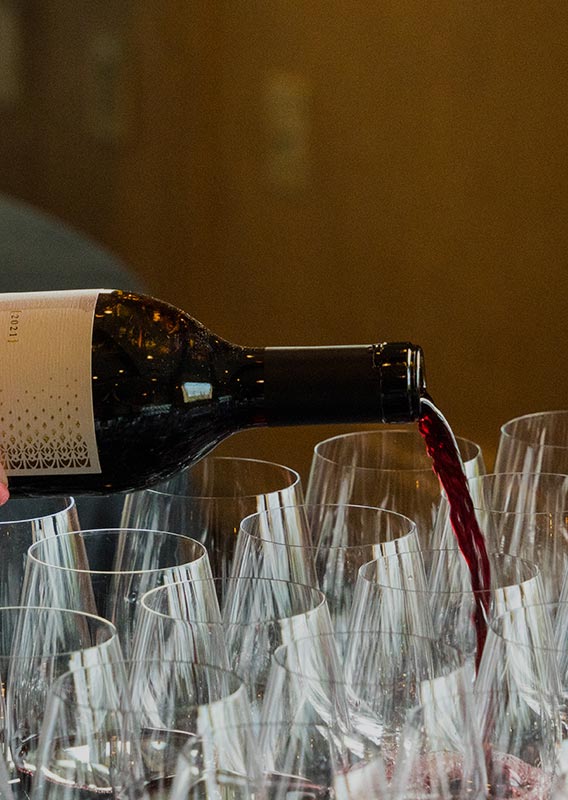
(235,637)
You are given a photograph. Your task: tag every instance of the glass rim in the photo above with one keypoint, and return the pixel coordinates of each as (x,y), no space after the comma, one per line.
(282,468)
(387,512)
(102,622)
(33,558)
(285,724)
(426,469)
(493,477)
(508,434)
(519,611)
(464,660)
(322,601)
(449,592)
(68,504)
(56,688)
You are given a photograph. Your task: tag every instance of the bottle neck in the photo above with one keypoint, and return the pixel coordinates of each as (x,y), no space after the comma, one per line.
(319,385)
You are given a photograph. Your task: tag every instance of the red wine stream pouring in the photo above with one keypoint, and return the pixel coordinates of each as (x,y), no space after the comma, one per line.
(446,461)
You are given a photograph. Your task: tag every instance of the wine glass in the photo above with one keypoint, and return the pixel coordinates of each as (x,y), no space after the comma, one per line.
(182,620)
(525,514)
(439,752)
(108,734)
(320,545)
(295,760)
(520,492)
(338,678)
(527,648)
(7,789)
(178,698)
(206,768)
(388,468)
(315,760)
(519,728)
(58,571)
(428,592)
(400,675)
(36,646)
(24,521)
(498,743)
(90,742)
(534,443)
(518,693)
(208,501)
(256,616)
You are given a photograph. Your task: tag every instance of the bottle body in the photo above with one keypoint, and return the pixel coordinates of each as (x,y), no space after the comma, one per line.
(163,391)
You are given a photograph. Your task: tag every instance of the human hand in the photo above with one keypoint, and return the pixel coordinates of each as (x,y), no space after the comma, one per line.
(4,493)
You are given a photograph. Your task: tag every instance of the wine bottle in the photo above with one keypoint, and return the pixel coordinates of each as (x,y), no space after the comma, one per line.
(107,390)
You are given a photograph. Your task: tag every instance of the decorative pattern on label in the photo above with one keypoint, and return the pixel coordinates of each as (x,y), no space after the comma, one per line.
(46,409)
(51,442)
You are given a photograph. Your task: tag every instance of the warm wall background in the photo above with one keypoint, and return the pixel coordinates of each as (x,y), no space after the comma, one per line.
(318,171)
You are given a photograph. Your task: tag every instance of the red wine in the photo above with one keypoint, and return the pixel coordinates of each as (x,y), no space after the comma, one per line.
(508,777)
(447,465)
(113,391)
(279,785)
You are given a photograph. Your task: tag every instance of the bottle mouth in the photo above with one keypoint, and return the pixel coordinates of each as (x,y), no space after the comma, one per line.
(420,371)
(403,381)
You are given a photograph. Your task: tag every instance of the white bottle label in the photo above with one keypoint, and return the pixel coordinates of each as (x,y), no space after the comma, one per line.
(46,404)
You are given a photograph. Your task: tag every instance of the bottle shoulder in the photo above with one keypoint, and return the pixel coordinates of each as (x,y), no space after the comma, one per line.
(144,310)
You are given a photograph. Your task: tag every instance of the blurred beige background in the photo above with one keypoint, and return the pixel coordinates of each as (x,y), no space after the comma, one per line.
(316,171)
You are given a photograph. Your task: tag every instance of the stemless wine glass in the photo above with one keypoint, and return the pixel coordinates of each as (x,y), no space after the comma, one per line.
(520,492)
(24,521)
(90,742)
(6,784)
(207,769)
(208,501)
(338,678)
(440,754)
(295,760)
(318,760)
(429,593)
(389,468)
(184,697)
(105,735)
(520,733)
(257,615)
(525,514)
(336,540)
(534,443)
(498,743)
(406,674)
(526,649)
(519,696)
(36,646)
(58,571)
